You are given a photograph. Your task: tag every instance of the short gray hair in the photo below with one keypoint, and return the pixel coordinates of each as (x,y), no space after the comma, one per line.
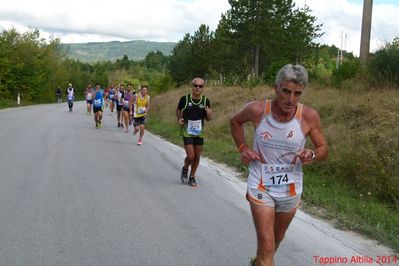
(197,79)
(294,73)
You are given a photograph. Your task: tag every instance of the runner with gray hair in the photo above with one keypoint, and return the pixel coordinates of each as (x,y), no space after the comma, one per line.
(274,184)
(295,73)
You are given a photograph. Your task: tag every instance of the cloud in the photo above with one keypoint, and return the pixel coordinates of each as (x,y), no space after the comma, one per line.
(157,20)
(344,18)
(168,20)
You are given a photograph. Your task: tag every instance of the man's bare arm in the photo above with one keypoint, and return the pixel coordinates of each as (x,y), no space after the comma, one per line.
(252,112)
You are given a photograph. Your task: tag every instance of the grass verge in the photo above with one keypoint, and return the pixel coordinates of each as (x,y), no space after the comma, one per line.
(6,104)
(334,200)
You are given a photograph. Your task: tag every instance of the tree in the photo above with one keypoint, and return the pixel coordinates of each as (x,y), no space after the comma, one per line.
(7,65)
(271,30)
(156,60)
(30,66)
(34,67)
(180,61)
(201,51)
(125,62)
(192,56)
(228,61)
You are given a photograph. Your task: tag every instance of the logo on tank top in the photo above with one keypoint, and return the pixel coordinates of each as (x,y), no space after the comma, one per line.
(290,134)
(266,135)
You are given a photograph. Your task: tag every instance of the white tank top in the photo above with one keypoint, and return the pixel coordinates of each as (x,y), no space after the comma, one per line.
(89,95)
(279,172)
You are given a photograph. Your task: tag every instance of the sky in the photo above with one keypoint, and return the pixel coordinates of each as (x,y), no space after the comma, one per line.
(79,21)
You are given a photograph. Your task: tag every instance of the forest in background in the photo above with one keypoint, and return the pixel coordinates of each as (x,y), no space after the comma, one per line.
(251,42)
(111,51)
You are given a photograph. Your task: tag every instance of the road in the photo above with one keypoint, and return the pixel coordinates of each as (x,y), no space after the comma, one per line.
(71,194)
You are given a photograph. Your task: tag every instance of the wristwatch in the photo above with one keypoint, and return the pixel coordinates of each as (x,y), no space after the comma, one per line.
(313,155)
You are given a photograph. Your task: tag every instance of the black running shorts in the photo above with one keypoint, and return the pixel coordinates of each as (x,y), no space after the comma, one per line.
(139,121)
(193,141)
(97,109)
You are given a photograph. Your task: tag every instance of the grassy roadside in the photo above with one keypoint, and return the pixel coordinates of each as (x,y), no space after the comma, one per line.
(339,203)
(9,104)
(348,188)
(6,104)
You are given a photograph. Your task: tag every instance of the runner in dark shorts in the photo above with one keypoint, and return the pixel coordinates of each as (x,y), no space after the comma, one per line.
(191,112)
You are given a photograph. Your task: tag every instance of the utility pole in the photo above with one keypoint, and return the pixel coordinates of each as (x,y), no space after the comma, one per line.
(366,31)
(340,51)
(342,48)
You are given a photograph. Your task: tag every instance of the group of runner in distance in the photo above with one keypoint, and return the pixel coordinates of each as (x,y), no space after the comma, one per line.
(282,125)
(131,108)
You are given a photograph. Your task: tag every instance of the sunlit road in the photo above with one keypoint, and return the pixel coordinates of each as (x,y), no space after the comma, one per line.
(71,194)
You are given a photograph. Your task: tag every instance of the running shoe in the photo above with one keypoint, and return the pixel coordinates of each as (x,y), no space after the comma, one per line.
(183,175)
(100,124)
(126,130)
(139,142)
(97,125)
(192,182)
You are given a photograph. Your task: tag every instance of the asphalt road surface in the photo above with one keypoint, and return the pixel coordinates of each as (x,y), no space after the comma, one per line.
(71,194)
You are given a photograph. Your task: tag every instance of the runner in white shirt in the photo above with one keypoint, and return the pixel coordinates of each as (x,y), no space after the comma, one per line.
(119,104)
(70,92)
(89,98)
(274,183)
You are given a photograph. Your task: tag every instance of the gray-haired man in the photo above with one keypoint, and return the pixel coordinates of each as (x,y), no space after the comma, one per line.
(274,184)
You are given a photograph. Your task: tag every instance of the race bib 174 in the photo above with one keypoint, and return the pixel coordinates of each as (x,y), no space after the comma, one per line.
(279,174)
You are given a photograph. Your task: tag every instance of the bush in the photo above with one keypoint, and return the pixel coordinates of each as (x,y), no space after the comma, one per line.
(347,70)
(384,66)
(162,82)
(319,73)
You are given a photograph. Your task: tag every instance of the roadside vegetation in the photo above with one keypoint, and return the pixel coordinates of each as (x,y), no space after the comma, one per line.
(357,187)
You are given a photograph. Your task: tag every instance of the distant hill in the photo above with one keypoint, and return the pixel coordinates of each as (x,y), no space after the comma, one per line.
(103,51)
